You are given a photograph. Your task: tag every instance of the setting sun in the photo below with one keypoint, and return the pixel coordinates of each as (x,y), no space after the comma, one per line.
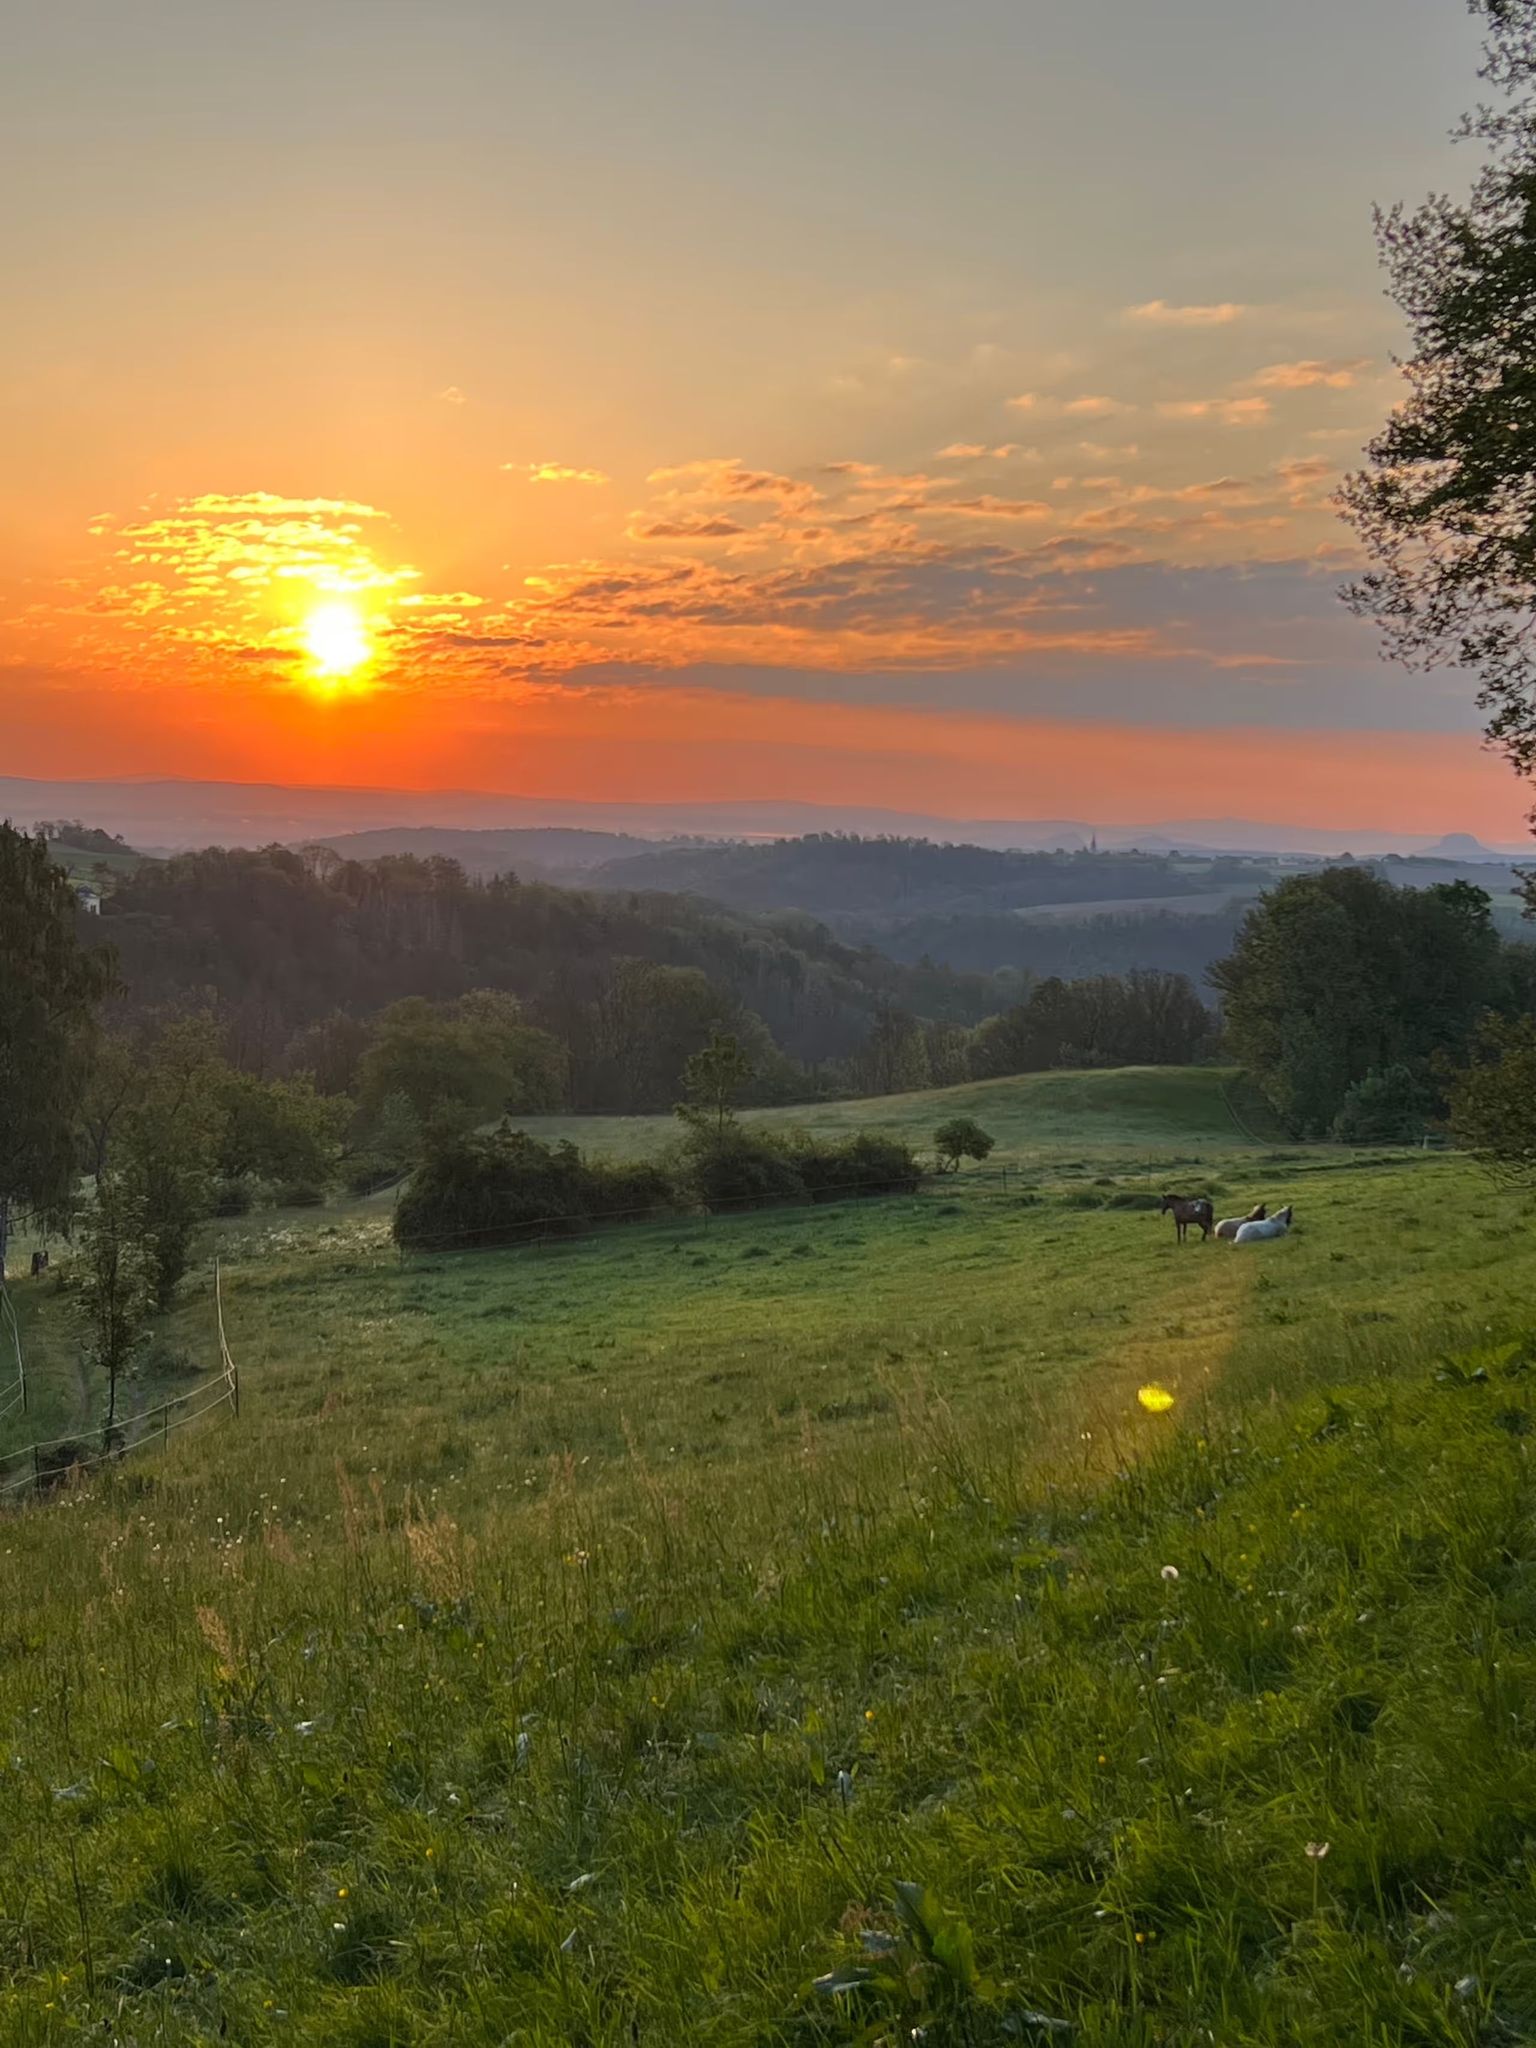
(337,640)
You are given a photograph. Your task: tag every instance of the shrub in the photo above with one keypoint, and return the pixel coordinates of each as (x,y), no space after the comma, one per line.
(869,1164)
(744,1168)
(1390,1106)
(741,1168)
(367,1172)
(629,1190)
(232,1195)
(472,1191)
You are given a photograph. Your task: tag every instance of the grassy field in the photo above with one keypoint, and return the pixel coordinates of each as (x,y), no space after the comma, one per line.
(1133,1117)
(759,1631)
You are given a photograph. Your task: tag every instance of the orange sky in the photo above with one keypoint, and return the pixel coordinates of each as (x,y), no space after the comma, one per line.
(671,442)
(665,744)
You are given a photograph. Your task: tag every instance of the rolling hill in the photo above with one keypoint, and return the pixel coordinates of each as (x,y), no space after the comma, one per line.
(795,1629)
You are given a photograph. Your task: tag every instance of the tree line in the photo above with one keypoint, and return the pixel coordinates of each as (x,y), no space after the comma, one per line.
(1359,1008)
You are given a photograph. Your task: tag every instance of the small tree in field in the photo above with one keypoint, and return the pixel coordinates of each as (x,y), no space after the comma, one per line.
(118,1281)
(714,1078)
(961,1138)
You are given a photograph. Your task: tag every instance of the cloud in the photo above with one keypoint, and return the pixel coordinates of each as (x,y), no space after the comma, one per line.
(1158,313)
(556,473)
(1025,401)
(1230,412)
(698,526)
(452,396)
(1306,376)
(1093,408)
(1309,469)
(976,451)
(986,506)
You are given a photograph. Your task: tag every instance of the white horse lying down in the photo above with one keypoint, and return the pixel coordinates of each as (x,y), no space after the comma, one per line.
(1271,1226)
(1231,1225)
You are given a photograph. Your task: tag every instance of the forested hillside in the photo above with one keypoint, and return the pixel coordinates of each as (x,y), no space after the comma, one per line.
(839,874)
(280,940)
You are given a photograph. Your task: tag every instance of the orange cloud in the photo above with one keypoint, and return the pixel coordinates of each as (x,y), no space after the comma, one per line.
(1093,408)
(556,473)
(1230,412)
(1158,313)
(1306,376)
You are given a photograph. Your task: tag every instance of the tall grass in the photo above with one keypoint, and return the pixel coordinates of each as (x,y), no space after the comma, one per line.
(993,1709)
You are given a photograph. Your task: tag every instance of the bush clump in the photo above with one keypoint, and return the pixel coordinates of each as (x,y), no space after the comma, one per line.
(1389,1106)
(473,1190)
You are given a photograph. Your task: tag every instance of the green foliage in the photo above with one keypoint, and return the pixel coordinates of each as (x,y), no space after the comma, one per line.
(389,1147)
(155,1118)
(478,1054)
(1493,1100)
(285,940)
(1338,974)
(49,993)
(714,1078)
(1390,1106)
(1444,506)
(279,1130)
(893,1059)
(752,1167)
(742,1167)
(1141,1018)
(475,1191)
(870,1163)
(958,1138)
(118,1276)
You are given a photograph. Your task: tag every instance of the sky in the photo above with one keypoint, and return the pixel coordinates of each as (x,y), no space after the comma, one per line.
(855,401)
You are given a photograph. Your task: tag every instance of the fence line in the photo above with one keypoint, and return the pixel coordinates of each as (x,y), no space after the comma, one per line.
(151,1426)
(16,1397)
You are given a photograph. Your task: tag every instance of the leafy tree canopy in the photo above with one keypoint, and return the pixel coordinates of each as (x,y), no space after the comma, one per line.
(961,1138)
(1493,1100)
(1446,504)
(50,989)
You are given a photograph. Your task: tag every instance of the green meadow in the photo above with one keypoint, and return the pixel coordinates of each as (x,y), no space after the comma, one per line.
(795,1629)
(1129,1117)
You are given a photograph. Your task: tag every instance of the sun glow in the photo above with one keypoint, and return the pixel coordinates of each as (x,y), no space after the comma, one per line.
(337,641)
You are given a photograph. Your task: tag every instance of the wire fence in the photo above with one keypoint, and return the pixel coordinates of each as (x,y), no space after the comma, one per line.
(14,1397)
(39,1469)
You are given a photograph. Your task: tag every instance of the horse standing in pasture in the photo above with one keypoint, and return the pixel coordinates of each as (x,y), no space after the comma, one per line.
(1229,1226)
(1272,1226)
(1189,1209)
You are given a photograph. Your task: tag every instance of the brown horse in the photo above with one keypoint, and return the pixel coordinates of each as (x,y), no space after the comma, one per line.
(1189,1209)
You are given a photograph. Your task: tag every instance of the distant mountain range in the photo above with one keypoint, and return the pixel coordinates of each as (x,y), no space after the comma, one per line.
(163,815)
